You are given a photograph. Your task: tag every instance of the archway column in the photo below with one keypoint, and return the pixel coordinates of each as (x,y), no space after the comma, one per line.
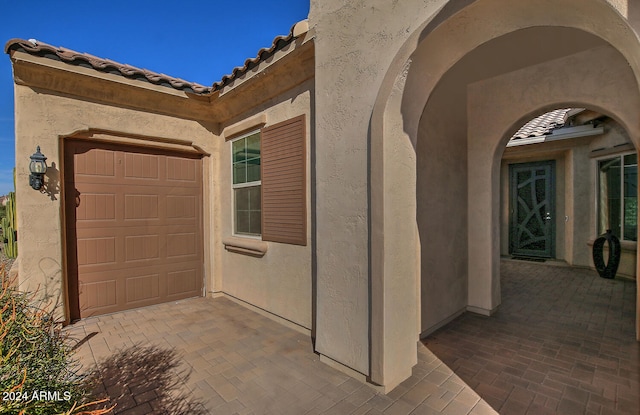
(593,78)
(483,224)
(395,251)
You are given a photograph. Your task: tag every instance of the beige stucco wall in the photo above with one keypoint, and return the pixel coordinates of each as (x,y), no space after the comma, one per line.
(44,119)
(390,171)
(279,283)
(355,45)
(281,280)
(55,100)
(441,194)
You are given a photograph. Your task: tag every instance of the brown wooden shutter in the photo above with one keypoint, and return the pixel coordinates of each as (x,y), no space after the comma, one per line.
(284,193)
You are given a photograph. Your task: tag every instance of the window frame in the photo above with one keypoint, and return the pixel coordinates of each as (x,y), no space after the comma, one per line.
(234,186)
(619,156)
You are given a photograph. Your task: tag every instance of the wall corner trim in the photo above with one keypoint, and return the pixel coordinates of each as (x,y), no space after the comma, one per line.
(245,246)
(254,122)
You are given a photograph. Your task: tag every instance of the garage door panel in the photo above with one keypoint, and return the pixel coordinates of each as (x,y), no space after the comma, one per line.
(98,295)
(135,230)
(96,206)
(111,291)
(182,170)
(142,206)
(181,207)
(142,166)
(104,248)
(174,263)
(142,288)
(182,244)
(142,247)
(183,282)
(95,162)
(136,226)
(149,204)
(96,251)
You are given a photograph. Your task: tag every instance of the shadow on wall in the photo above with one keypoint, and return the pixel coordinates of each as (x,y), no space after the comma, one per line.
(147,378)
(51,185)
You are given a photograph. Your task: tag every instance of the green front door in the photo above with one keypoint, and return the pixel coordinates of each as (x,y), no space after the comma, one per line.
(532,218)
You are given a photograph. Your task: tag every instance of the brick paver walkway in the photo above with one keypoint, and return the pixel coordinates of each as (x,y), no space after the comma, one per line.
(213,356)
(562,342)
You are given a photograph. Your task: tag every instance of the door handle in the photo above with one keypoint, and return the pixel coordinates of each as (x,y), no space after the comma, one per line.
(548,216)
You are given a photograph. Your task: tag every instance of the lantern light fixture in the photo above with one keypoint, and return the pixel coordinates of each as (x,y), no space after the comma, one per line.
(37,168)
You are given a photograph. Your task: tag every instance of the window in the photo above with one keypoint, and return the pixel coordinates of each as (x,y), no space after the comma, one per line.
(247,184)
(618,196)
(270,183)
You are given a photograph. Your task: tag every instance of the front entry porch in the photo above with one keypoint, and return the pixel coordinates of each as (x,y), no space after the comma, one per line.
(562,341)
(213,356)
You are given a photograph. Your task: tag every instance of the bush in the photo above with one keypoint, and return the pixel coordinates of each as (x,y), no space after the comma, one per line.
(37,372)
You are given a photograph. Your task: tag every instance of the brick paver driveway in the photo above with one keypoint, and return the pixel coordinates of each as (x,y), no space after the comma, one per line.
(213,356)
(562,342)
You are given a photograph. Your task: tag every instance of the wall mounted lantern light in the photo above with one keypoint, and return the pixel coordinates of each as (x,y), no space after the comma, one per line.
(37,168)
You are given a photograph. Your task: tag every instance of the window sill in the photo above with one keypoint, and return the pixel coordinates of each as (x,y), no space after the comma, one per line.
(625,246)
(243,246)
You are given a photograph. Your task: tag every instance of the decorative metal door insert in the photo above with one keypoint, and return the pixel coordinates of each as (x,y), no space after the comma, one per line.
(532,215)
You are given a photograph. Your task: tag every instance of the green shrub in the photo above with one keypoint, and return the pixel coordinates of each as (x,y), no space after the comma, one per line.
(37,372)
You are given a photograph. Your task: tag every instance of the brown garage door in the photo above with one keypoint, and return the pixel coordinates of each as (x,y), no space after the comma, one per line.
(134,227)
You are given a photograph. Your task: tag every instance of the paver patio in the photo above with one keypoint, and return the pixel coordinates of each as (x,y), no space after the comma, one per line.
(562,342)
(214,356)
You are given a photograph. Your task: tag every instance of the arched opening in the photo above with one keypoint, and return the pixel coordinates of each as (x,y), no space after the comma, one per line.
(564,175)
(451,111)
(446,202)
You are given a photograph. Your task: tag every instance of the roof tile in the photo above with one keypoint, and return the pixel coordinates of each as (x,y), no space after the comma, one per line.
(278,43)
(543,125)
(69,56)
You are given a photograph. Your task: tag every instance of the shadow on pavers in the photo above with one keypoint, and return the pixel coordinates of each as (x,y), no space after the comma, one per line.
(148,378)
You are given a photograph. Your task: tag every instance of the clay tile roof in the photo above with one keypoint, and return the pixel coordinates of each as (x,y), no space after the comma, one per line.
(278,43)
(542,125)
(38,48)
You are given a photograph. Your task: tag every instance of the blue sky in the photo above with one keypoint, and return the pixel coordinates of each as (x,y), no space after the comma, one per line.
(199,41)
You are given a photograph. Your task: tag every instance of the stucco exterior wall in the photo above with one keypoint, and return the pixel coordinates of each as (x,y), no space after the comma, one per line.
(55,100)
(280,281)
(352,60)
(441,193)
(45,119)
(413,113)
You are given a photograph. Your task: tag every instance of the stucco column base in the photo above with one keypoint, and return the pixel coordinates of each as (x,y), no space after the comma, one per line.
(482,311)
(365,379)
